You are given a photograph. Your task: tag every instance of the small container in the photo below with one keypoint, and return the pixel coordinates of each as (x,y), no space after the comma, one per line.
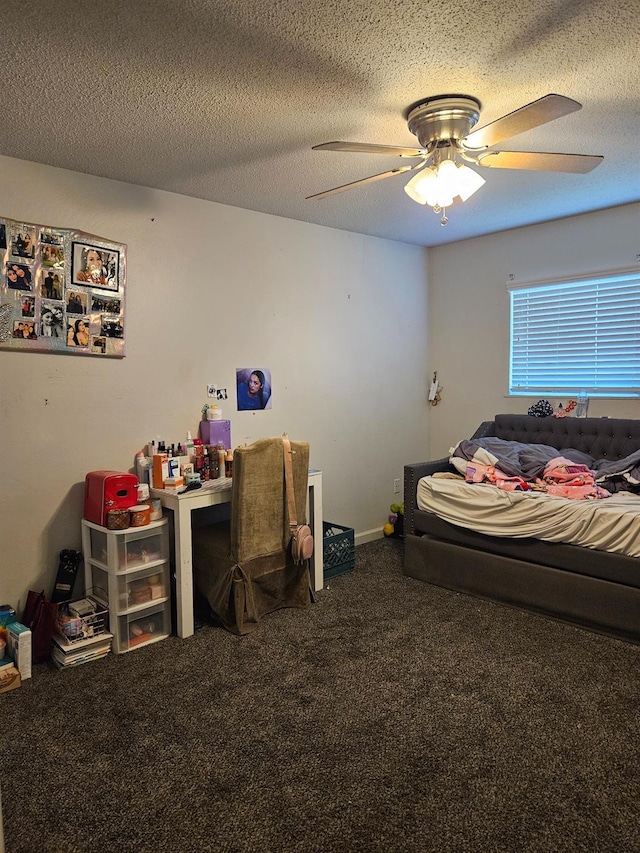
(143,493)
(214,413)
(156,509)
(118,519)
(3,643)
(228,464)
(172,484)
(140,515)
(214,463)
(582,407)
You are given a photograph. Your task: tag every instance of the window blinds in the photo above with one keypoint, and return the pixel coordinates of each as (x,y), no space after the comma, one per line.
(577,334)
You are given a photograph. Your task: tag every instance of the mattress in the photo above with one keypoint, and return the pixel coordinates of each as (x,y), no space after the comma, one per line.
(611,524)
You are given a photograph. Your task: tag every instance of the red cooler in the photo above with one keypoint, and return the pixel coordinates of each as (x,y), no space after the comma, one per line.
(105,490)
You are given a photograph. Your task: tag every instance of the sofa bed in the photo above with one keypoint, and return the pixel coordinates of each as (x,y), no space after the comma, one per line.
(594,585)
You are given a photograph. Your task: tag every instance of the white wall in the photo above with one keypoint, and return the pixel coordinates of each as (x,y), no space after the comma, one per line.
(469,311)
(340,319)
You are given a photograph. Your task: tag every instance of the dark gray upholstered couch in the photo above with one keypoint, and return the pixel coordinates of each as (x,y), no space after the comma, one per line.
(592,589)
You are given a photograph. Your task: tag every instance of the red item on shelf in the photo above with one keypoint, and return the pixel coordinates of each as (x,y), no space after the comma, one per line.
(107,490)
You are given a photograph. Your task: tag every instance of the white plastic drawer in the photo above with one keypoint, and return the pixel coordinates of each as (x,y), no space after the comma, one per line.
(98,540)
(144,626)
(144,588)
(99,584)
(138,549)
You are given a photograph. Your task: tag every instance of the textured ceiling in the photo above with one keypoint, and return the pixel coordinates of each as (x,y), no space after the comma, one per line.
(223,99)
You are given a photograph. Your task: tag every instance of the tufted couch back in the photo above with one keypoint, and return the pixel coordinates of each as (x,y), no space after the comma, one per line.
(603,438)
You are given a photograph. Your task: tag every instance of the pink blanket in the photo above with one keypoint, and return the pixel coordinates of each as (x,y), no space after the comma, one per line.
(561,477)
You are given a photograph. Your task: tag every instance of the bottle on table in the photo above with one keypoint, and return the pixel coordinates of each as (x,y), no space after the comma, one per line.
(222,455)
(582,406)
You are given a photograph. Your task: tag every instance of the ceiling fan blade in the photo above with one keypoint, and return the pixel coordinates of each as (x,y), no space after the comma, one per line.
(532,115)
(366,148)
(539,161)
(361,182)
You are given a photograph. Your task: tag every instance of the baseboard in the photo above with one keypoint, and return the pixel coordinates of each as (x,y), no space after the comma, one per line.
(368,536)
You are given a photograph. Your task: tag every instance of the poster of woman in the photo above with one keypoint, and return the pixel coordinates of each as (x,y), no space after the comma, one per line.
(253,388)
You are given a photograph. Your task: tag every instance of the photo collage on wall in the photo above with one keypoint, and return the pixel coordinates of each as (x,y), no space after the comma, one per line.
(60,291)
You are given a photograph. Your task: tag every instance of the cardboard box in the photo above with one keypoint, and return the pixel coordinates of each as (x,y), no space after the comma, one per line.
(19,644)
(9,679)
(160,469)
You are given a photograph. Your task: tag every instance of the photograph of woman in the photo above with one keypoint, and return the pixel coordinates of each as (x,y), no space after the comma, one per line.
(25,330)
(23,244)
(51,321)
(95,266)
(19,277)
(76,303)
(52,256)
(78,333)
(28,306)
(254,388)
(56,290)
(92,271)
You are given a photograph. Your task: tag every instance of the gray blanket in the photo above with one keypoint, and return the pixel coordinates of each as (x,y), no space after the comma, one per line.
(528,461)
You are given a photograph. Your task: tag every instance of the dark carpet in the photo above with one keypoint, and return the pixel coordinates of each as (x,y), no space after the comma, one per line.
(389,716)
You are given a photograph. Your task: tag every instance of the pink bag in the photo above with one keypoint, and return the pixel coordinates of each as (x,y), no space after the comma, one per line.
(301,538)
(301,544)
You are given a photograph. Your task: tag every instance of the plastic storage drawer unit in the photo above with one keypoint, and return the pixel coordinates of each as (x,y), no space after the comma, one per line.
(128,570)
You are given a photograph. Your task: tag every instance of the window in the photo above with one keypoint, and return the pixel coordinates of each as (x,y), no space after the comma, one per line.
(581,333)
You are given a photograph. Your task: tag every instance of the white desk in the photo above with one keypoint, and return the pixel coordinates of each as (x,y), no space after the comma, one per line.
(219,492)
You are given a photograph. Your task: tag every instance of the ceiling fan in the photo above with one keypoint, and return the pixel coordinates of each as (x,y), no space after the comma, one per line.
(443,126)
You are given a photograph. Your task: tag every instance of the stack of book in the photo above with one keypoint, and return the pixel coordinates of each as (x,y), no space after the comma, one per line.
(9,676)
(65,654)
(82,634)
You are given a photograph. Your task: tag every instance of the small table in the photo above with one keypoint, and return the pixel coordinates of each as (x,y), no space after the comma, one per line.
(219,492)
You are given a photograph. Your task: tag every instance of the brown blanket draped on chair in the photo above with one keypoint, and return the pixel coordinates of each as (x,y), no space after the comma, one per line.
(244,567)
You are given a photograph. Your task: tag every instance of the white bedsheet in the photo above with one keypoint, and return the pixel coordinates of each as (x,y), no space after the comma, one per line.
(612,524)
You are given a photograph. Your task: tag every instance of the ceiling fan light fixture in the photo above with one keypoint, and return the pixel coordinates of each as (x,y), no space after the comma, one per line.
(438,185)
(444,126)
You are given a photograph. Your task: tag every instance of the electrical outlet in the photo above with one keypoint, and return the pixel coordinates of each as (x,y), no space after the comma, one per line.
(212,391)
(396,487)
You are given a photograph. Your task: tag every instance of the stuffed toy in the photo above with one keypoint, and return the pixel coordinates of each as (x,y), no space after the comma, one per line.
(395,526)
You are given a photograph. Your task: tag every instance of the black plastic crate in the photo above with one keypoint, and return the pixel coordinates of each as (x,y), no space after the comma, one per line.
(338,549)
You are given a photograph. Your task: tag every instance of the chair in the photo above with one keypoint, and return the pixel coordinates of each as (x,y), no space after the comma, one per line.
(243,567)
